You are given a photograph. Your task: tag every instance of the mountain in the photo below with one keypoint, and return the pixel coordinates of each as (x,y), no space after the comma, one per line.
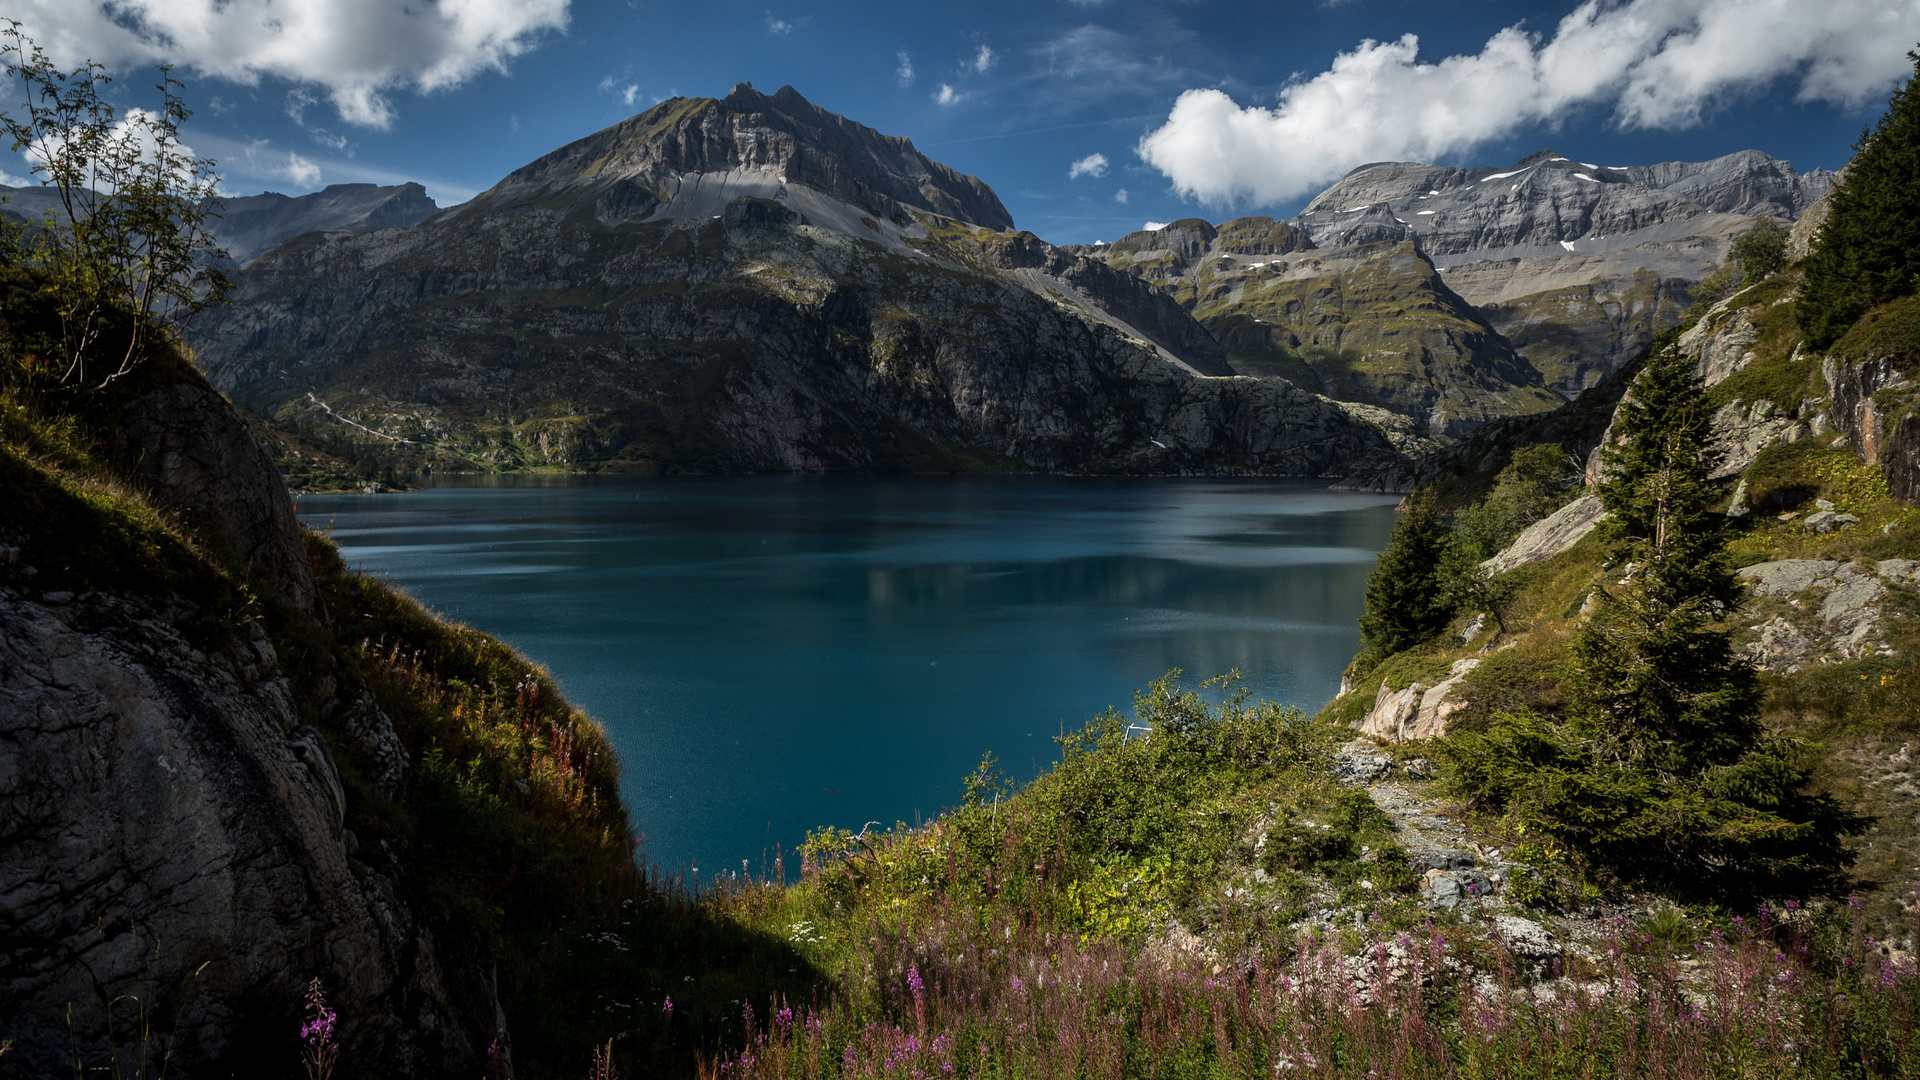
(252,224)
(1458,295)
(748,284)
(1372,322)
(247,225)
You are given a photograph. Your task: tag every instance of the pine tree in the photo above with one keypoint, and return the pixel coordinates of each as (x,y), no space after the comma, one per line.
(1659,771)
(1868,252)
(1660,680)
(1407,598)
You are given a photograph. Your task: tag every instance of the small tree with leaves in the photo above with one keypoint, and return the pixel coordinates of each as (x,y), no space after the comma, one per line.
(1408,600)
(1760,252)
(131,242)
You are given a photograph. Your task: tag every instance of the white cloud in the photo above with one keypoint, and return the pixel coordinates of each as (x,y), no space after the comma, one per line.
(627,94)
(1657,63)
(302,172)
(1120,196)
(1153,226)
(1094,165)
(135,128)
(947,95)
(10,180)
(983,60)
(356,51)
(904,72)
(778,27)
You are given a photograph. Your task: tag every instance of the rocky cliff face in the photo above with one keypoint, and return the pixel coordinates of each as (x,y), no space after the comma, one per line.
(755,284)
(172,824)
(1874,373)
(174,838)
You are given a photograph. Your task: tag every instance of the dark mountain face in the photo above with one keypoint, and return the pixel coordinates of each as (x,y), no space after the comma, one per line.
(748,285)
(247,225)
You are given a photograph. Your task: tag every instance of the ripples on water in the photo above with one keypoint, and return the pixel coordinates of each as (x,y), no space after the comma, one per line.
(775,653)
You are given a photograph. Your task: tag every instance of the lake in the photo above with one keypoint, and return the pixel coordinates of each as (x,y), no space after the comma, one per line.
(771,654)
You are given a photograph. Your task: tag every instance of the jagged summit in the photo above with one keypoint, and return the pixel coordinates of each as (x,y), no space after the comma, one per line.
(687,158)
(1546,201)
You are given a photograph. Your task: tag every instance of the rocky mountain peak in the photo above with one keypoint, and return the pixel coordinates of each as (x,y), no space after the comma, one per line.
(687,157)
(1546,201)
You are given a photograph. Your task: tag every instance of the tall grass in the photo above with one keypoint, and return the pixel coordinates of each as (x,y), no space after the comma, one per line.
(1799,996)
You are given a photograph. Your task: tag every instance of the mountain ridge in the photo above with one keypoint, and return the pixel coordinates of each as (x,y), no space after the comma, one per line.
(674,294)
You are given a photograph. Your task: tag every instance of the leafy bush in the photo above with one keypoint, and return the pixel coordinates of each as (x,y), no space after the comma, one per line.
(1539,480)
(1760,252)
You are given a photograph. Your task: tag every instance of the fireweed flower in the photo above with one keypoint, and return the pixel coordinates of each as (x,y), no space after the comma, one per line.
(320,1052)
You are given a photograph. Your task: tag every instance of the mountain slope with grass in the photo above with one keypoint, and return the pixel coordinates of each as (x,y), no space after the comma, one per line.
(1459,296)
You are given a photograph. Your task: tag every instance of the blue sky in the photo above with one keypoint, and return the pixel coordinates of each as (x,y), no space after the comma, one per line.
(1204,108)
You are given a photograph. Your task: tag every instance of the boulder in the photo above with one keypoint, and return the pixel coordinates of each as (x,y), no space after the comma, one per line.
(1359,761)
(1549,536)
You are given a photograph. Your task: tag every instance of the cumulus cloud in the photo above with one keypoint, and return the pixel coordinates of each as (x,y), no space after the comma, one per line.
(136,124)
(947,95)
(1153,226)
(301,171)
(1094,165)
(1657,63)
(983,60)
(356,51)
(778,27)
(1120,196)
(904,72)
(7,179)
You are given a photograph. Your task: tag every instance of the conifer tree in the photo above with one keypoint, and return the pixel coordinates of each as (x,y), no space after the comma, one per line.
(1659,771)
(1868,252)
(1660,678)
(1408,601)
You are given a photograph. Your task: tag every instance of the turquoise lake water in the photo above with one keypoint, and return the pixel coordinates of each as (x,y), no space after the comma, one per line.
(775,653)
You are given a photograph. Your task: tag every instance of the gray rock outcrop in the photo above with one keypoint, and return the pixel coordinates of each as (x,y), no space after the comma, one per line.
(171,831)
(1418,711)
(1549,536)
(1874,404)
(201,462)
(1817,611)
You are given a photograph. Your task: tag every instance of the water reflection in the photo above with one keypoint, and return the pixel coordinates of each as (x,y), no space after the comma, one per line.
(751,643)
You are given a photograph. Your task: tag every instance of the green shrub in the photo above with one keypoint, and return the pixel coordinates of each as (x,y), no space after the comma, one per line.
(1760,252)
